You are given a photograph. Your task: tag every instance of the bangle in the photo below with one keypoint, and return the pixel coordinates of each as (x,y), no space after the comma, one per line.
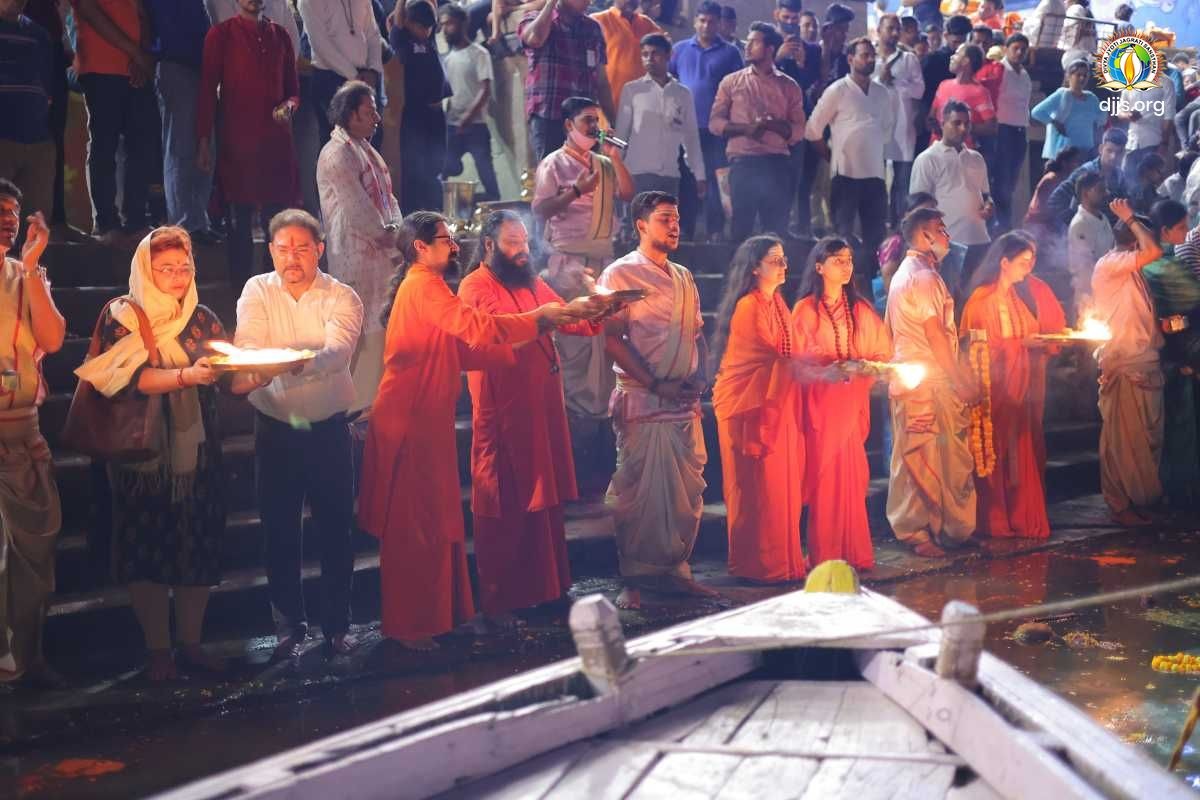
(179,377)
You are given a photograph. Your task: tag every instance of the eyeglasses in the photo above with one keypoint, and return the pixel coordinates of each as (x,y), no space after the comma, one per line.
(445,236)
(776,261)
(175,272)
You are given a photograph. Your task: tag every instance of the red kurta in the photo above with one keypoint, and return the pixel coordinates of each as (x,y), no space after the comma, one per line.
(837,420)
(1012,500)
(757,403)
(522,470)
(255,68)
(410,495)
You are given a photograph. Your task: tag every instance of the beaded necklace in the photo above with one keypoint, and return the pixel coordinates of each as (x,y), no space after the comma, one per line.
(781,322)
(843,313)
(551,353)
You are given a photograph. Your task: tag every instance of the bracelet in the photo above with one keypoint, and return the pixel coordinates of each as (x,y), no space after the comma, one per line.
(179,377)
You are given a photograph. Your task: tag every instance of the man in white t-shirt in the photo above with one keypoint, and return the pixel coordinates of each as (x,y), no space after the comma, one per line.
(957,176)
(1148,129)
(468,69)
(1089,238)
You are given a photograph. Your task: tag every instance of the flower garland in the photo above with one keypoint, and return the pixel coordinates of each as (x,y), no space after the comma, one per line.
(982,441)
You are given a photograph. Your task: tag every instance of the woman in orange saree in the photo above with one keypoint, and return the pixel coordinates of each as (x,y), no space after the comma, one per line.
(1012,306)
(836,324)
(757,399)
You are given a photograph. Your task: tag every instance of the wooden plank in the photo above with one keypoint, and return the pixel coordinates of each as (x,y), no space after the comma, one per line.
(796,714)
(862,621)
(862,779)
(770,776)
(1013,763)
(977,789)
(869,722)
(1114,767)
(710,718)
(686,776)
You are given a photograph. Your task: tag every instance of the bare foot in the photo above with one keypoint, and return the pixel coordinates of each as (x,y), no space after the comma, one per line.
(420,645)
(1130,518)
(160,666)
(630,598)
(929,550)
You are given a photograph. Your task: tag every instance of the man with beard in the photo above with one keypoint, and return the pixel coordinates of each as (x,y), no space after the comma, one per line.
(657,343)
(931,494)
(30,515)
(410,493)
(573,195)
(522,472)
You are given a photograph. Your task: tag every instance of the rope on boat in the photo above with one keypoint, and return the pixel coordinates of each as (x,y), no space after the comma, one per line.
(1025,612)
(1188,726)
(942,759)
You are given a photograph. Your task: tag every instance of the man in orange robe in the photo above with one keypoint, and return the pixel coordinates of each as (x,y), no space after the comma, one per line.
(522,470)
(409,497)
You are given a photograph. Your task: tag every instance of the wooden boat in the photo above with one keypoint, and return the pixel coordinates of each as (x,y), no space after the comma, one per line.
(806,695)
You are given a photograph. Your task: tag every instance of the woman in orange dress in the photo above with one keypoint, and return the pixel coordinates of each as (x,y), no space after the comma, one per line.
(836,324)
(1012,306)
(757,399)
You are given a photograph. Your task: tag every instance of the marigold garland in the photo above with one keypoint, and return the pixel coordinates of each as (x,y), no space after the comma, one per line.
(982,441)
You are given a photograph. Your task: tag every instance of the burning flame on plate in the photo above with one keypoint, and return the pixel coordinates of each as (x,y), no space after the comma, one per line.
(235,356)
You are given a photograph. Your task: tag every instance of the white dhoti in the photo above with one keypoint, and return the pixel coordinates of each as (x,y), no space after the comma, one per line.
(30,518)
(656,495)
(1131,437)
(931,492)
(587,372)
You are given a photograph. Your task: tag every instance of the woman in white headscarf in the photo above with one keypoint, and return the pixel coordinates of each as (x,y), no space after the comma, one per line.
(168,512)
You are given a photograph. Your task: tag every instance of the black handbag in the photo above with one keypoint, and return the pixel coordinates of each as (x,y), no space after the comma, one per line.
(127,427)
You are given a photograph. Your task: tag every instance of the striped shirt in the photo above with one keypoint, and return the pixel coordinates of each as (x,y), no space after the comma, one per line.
(25,81)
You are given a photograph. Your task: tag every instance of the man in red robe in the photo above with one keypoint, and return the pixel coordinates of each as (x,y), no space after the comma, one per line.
(409,496)
(250,60)
(522,470)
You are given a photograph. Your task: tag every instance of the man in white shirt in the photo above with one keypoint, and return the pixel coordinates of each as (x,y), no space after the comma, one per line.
(899,70)
(957,176)
(301,437)
(657,116)
(468,69)
(346,45)
(1011,98)
(1131,379)
(858,111)
(1149,127)
(1089,237)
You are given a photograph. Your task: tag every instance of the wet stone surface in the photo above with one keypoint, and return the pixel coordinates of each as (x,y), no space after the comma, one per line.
(119,736)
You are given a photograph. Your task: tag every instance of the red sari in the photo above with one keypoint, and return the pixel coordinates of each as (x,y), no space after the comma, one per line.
(1012,500)
(522,470)
(757,403)
(410,497)
(837,420)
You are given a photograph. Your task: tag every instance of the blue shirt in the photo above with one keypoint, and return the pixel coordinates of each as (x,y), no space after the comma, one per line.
(1082,117)
(25,81)
(179,28)
(701,70)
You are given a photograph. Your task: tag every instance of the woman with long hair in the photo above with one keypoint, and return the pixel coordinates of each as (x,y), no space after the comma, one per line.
(1011,306)
(757,401)
(835,324)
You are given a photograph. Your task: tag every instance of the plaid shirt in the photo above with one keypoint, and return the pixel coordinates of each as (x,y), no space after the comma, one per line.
(568,64)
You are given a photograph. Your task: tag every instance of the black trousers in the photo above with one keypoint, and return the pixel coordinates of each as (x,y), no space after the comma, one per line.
(476,140)
(691,205)
(423,154)
(293,465)
(866,199)
(761,188)
(118,112)
(546,135)
(240,244)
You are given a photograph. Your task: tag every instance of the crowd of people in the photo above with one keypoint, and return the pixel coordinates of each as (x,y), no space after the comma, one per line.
(578,355)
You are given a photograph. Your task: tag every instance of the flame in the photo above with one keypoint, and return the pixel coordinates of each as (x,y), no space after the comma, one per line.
(910,375)
(1128,70)
(1093,329)
(268,355)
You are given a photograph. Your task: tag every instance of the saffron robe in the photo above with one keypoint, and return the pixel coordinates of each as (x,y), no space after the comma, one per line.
(522,469)
(757,400)
(1012,500)
(837,421)
(410,496)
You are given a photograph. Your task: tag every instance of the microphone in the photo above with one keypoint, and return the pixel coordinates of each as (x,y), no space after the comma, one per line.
(611,138)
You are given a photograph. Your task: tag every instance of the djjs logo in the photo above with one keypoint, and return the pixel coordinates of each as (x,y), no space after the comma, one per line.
(1130,61)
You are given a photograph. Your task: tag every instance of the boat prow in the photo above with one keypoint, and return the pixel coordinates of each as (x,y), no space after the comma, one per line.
(805,695)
